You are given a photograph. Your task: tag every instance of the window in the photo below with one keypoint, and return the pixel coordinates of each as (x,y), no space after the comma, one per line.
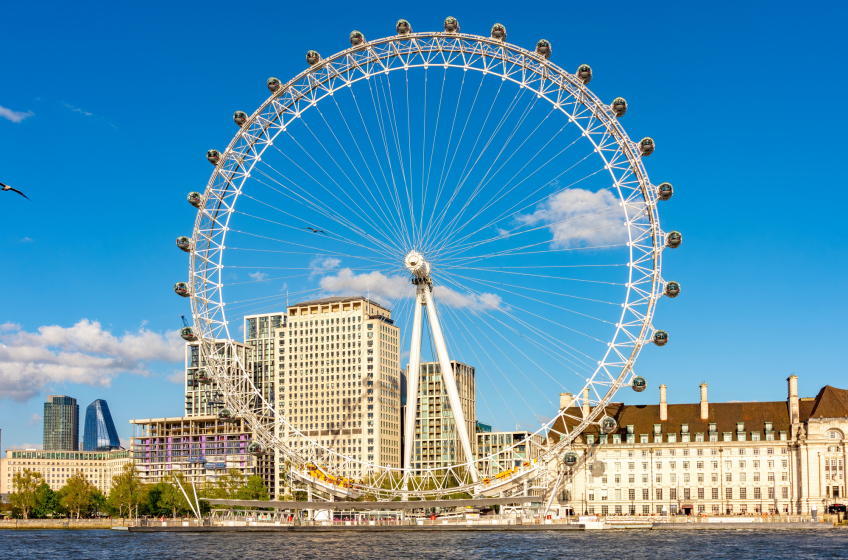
(714,477)
(699,438)
(604,510)
(672,493)
(743,477)
(659,478)
(685,465)
(672,478)
(646,510)
(644,478)
(757,494)
(644,466)
(700,477)
(756,477)
(658,493)
(771,477)
(833,434)
(618,510)
(715,493)
(728,436)
(643,438)
(618,494)
(785,492)
(631,478)
(701,494)
(591,495)
(659,465)
(714,464)
(686,494)
(646,494)
(686,477)
(699,464)
(743,493)
(631,466)
(771,492)
(631,494)
(672,465)
(728,477)
(672,438)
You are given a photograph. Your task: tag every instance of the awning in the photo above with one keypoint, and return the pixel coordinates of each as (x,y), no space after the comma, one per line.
(687,506)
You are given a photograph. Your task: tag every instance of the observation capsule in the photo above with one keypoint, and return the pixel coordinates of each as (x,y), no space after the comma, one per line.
(570,459)
(665,191)
(619,106)
(312,57)
(403,27)
(673,240)
(240,117)
(356,38)
(182,289)
(224,415)
(608,425)
(184,243)
(187,333)
(274,85)
(255,449)
(660,338)
(672,289)
(543,48)
(639,384)
(584,73)
(451,25)
(214,157)
(195,199)
(202,376)
(646,146)
(499,32)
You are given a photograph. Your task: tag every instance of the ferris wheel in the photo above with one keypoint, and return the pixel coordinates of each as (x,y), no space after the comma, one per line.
(497,222)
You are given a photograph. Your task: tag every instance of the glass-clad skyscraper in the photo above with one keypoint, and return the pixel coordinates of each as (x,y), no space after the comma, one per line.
(100,433)
(61,423)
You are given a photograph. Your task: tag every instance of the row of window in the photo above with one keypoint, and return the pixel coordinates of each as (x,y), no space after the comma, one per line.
(686,494)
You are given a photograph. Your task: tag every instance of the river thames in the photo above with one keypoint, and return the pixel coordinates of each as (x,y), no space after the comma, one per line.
(608,544)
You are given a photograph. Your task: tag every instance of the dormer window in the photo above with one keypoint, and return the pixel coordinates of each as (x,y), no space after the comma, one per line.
(684,428)
(657,428)
(769,427)
(740,426)
(630,429)
(713,429)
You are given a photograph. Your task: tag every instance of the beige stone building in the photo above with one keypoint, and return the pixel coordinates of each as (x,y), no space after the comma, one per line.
(99,467)
(339,381)
(713,458)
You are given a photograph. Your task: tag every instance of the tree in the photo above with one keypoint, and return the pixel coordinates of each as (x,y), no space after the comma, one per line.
(254,489)
(46,502)
(127,491)
(76,495)
(170,495)
(25,495)
(228,485)
(98,504)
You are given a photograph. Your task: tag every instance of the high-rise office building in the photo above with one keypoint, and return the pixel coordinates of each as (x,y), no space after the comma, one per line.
(61,424)
(437,444)
(203,397)
(100,433)
(339,379)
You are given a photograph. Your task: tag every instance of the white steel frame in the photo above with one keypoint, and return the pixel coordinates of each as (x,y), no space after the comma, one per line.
(621,157)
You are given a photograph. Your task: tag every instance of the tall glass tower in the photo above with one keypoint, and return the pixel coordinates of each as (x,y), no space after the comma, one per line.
(100,433)
(61,424)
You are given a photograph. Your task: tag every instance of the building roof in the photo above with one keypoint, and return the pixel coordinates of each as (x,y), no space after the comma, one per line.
(830,403)
(337,299)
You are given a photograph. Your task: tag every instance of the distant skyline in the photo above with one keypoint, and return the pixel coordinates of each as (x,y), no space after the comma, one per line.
(108,138)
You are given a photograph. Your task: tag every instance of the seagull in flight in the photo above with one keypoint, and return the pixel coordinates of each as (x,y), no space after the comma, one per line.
(8,188)
(313,230)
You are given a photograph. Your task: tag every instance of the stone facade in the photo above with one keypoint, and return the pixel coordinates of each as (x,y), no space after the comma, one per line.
(713,458)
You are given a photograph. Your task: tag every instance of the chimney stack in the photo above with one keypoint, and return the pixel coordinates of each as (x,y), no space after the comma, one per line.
(705,407)
(565,400)
(794,412)
(586,408)
(663,405)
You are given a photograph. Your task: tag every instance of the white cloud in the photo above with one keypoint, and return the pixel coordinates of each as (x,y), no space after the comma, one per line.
(321,265)
(14,116)
(177,377)
(26,240)
(31,362)
(23,446)
(35,419)
(77,110)
(386,289)
(382,288)
(258,276)
(578,217)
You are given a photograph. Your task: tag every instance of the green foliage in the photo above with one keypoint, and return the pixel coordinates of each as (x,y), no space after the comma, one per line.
(26,485)
(76,496)
(127,491)
(46,502)
(254,489)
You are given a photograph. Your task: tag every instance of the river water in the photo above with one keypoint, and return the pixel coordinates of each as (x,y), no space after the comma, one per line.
(608,544)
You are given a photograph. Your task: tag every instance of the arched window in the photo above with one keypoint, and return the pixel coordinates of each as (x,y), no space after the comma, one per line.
(834,434)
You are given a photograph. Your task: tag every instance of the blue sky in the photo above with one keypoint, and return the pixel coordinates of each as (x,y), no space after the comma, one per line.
(108,111)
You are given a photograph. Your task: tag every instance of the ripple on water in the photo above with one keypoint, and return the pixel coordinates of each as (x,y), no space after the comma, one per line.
(736,545)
